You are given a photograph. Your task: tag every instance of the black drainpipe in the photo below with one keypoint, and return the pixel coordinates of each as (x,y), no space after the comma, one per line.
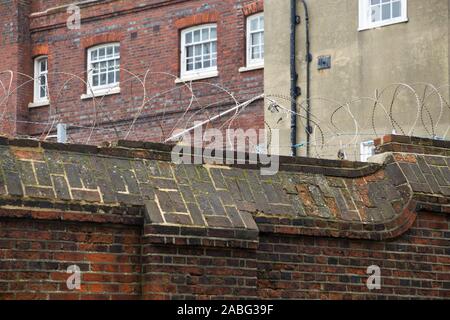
(308,82)
(295,90)
(294,77)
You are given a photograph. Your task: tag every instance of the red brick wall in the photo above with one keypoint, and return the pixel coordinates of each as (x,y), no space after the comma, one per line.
(34,256)
(415,265)
(180,272)
(149,39)
(15,48)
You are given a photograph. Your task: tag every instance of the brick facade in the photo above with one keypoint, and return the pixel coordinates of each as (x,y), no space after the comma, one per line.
(149,35)
(140,227)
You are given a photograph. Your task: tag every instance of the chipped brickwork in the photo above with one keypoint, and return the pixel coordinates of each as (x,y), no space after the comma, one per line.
(228,232)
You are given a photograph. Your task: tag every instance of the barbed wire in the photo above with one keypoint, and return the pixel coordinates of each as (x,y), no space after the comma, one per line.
(335,124)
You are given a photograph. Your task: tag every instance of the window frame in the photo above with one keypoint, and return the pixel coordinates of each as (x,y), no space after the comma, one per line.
(37,99)
(365,22)
(199,73)
(253,63)
(107,88)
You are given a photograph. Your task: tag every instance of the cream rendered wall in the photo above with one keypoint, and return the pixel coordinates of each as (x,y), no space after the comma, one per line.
(362,63)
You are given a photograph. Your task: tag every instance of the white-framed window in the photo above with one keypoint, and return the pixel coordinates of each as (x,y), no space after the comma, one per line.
(103,68)
(41,95)
(255,40)
(378,13)
(367,150)
(199,51)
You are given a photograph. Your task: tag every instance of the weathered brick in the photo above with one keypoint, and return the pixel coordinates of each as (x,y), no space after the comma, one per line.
(61,188)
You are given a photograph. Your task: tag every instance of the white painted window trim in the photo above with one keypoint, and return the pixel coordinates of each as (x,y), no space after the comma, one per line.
(251,68)
(252,64)
(200,76)
(367,146)
(365,21)
(205,73)
(37,100)
(101,90)
(101,93)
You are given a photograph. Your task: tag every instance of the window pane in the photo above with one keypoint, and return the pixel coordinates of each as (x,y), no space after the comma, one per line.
(103,79)
(213,33)
(117,76)
(101,53)
(43,65)
(254,24)
(117,50)
(198,50)
(386,11)
(207,48)
(205,34)
(190,51)
(197,36)
(111,77)
(376,13)
(188,37)
(373,2)
(396,9)
(94,55)
(95,67)
(95,81)
(42,80)
(43,92)
(255,54)
(109,51)
(255,39)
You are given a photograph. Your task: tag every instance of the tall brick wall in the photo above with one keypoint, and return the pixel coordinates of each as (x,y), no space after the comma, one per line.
(413,266)
(140,227)
(149,34)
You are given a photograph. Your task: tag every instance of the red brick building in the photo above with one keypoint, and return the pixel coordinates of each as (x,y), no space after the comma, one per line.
(93,77)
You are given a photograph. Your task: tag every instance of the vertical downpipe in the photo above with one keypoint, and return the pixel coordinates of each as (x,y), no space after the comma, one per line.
(308,81)
(294,78)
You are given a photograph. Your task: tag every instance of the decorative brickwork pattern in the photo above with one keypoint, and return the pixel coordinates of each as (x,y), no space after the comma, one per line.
(142,227)
(378,205)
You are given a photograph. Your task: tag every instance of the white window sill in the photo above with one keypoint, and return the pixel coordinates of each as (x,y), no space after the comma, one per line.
(383,24)
(197,76)
(101,93)
(38,104)
(251,68)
